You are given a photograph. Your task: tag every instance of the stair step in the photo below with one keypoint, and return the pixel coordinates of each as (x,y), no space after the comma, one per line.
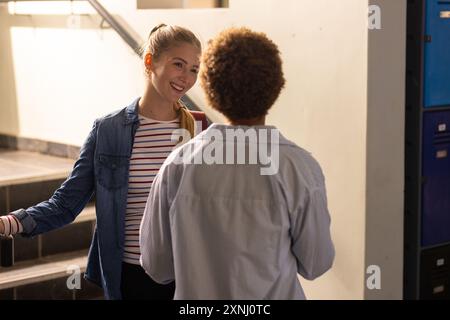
(47,279)
(20,167)
(40,268)
(43,269)
(73,237)
(88,214)
(28,178)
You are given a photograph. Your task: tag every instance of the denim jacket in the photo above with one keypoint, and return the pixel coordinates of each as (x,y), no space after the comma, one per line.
(102,167)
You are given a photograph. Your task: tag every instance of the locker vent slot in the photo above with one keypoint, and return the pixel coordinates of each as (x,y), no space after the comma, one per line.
(441,138)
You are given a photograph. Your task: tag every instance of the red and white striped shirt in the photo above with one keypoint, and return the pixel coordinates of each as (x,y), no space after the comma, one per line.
(152,145)
(11,224)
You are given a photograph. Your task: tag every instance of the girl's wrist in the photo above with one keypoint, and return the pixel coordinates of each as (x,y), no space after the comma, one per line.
(2,227)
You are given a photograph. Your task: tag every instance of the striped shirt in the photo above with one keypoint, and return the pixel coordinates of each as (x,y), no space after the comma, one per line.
(11,225)
(152,145)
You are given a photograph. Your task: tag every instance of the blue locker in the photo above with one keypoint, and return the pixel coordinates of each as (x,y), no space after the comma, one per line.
(437,54)
(436,173)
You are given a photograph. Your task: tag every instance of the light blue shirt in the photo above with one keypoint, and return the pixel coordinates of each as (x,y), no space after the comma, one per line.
(226,231)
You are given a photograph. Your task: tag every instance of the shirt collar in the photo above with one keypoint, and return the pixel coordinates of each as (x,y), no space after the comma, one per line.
(132,112)
(222,128)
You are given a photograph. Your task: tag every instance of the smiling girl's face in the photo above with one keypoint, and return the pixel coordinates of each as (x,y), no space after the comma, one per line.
(175,71)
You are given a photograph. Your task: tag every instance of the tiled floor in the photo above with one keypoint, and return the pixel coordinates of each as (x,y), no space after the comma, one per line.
(17,167)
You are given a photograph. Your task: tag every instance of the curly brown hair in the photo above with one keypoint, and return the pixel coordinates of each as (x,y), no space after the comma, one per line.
(242,73)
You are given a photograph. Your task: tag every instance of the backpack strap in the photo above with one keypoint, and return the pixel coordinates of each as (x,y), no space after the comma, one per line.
(200,116)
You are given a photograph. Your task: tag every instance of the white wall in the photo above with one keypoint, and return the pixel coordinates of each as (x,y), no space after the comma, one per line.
(323,109)
(52,73)
(61,80)
(9,117)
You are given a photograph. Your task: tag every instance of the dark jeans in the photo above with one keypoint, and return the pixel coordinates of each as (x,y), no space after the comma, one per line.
(137,285)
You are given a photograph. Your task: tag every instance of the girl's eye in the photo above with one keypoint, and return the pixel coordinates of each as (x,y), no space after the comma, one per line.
(178,64)
(194,71)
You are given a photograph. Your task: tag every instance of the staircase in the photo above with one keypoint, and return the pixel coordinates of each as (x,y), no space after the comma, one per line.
(41,266)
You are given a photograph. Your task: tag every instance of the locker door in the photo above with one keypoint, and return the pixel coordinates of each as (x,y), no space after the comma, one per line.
(435,273)
(436,173)
(437,54)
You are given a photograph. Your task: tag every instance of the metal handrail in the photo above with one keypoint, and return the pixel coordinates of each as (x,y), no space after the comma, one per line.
(124,34)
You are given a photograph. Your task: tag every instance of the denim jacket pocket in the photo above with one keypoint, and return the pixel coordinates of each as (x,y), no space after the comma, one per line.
(112,171)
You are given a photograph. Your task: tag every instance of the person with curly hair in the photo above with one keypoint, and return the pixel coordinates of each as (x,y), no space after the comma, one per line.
(215,220)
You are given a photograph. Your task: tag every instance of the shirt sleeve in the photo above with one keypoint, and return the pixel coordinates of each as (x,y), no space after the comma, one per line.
(68,201)
(310,231)
(12,225)
(154,236)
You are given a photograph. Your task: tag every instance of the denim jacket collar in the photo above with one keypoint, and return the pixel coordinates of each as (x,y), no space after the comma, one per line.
(131,112)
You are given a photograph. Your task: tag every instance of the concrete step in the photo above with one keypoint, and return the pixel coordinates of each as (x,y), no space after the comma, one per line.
(47,278)
(28,178)
(73,237)
(40,269)
(88,214)
(24,167)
